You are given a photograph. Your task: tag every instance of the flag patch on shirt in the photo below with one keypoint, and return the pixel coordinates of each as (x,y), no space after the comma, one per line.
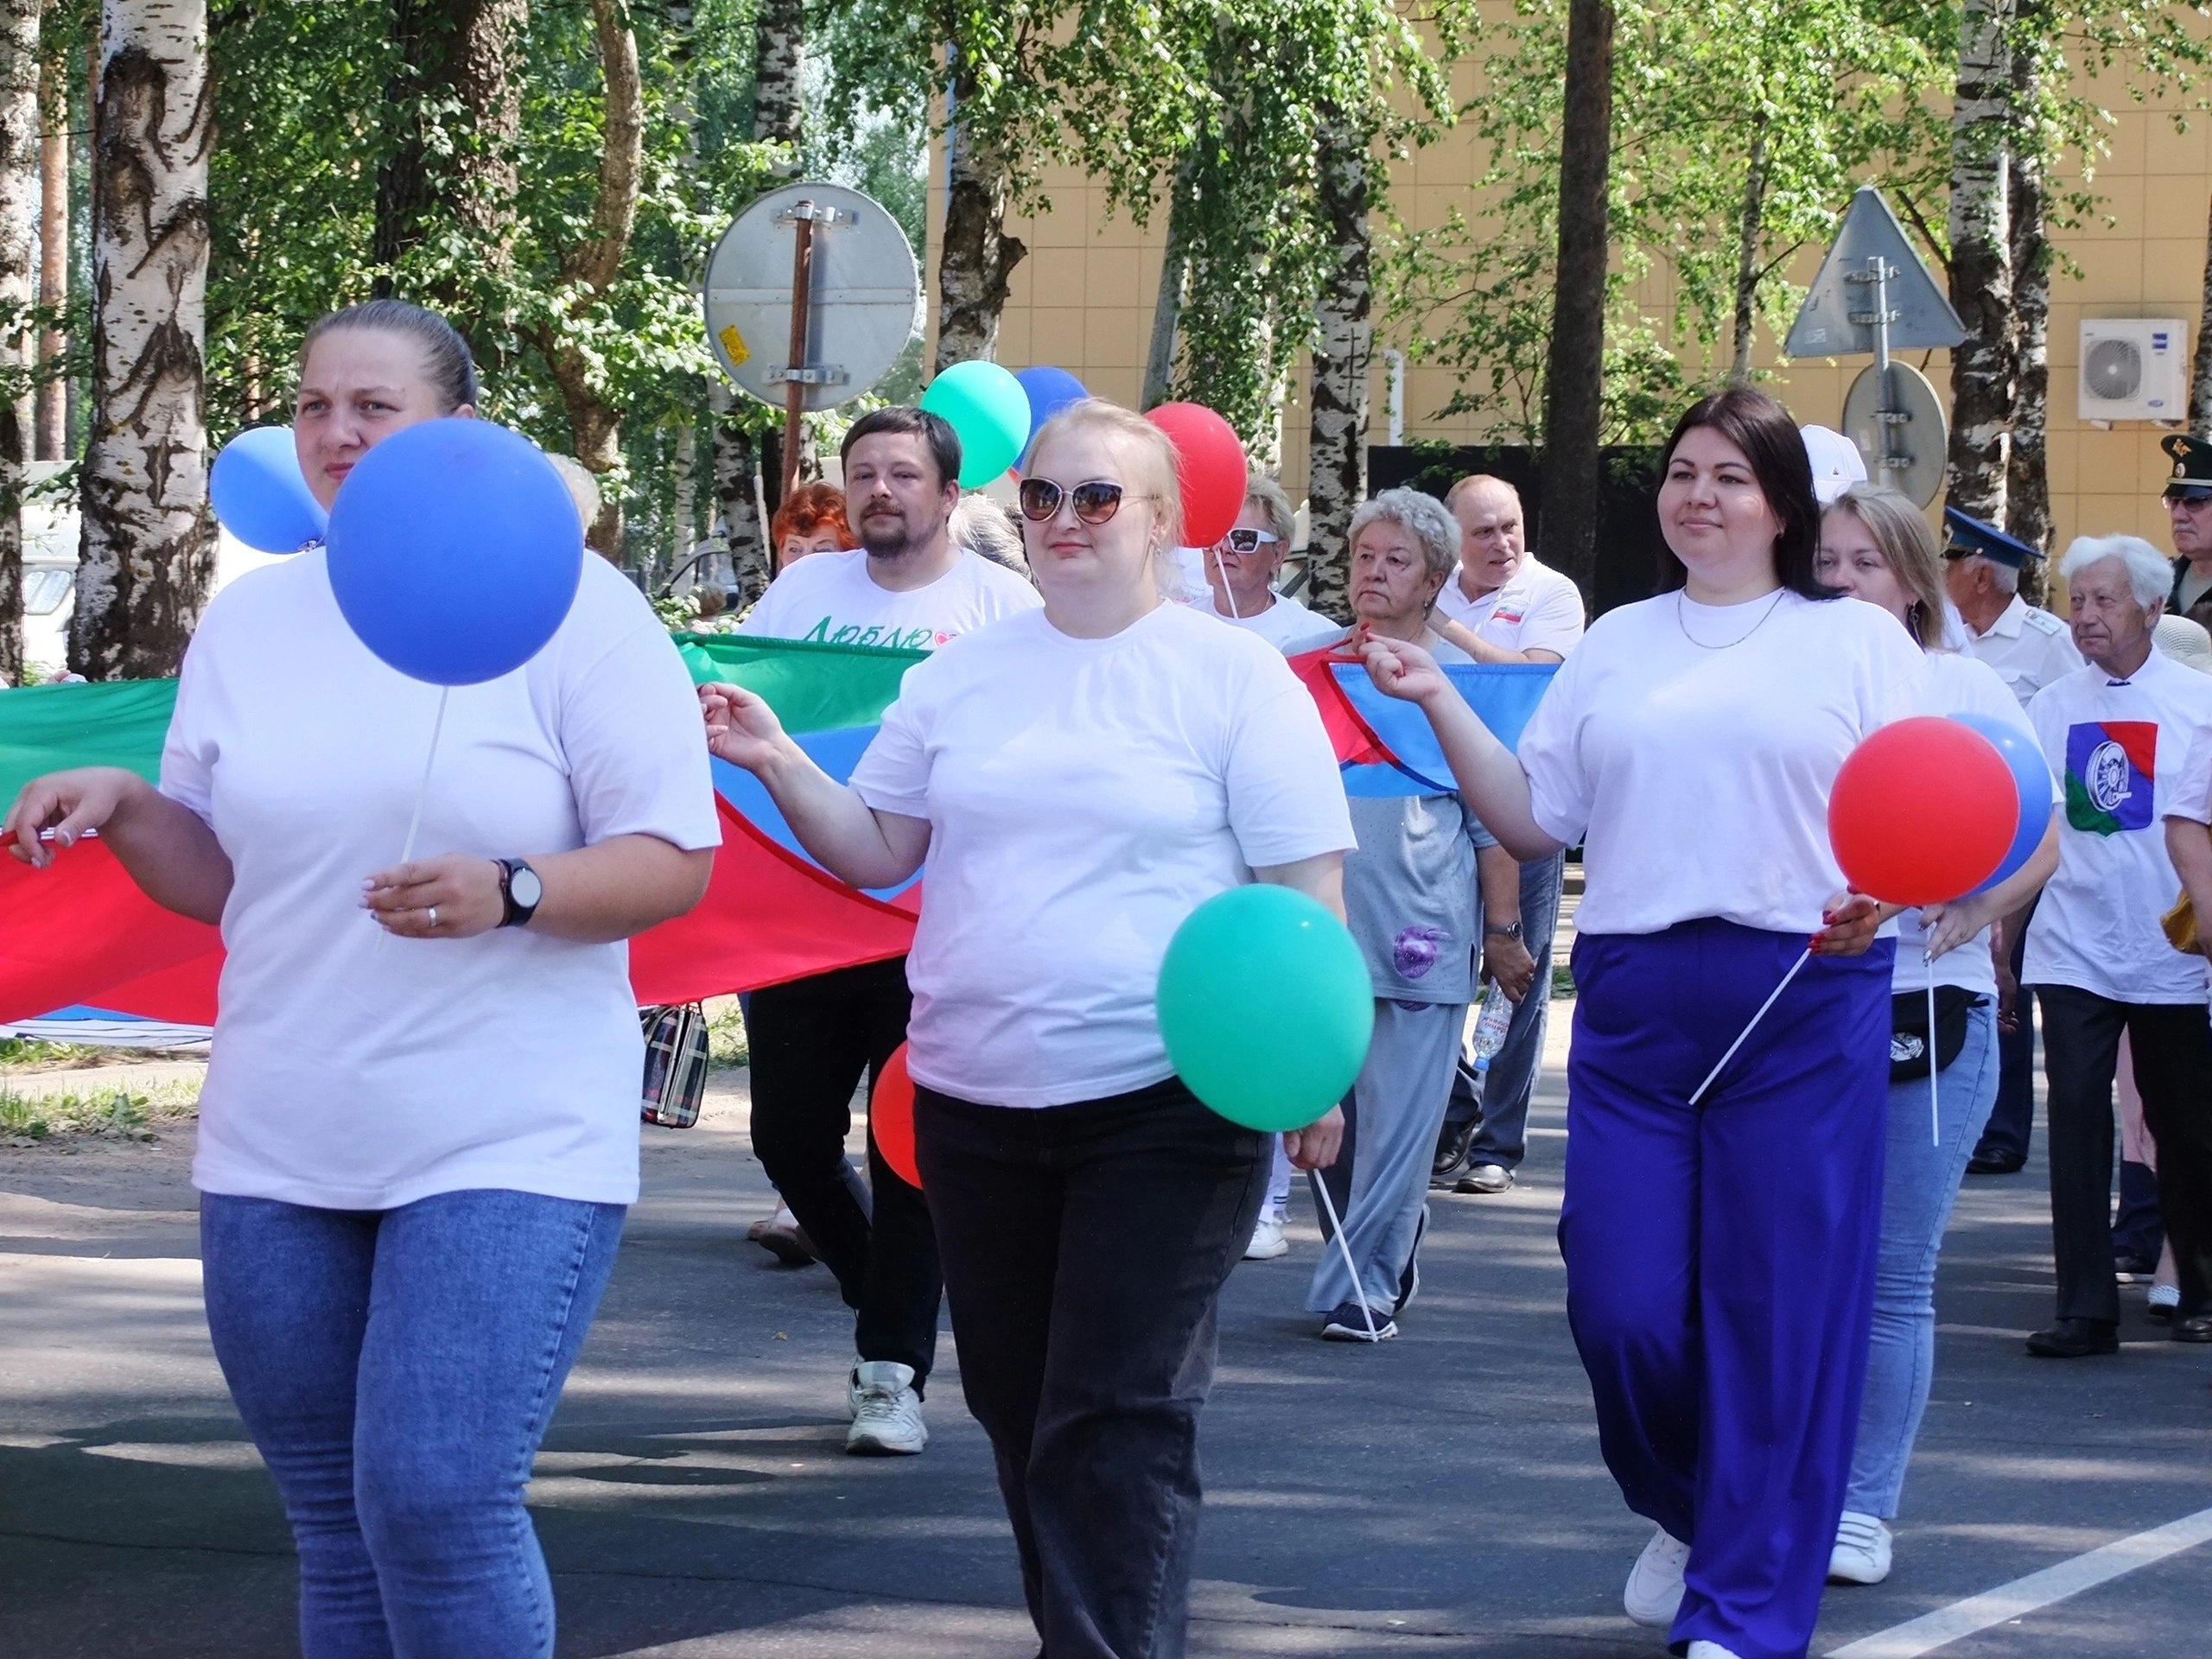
(2111,775)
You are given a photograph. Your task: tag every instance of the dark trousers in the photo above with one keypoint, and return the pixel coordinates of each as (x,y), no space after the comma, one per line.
(811,1041)
(1508,1086)
(2012,1120)
(1720,1257)
(2172,1047)
(1085,1248)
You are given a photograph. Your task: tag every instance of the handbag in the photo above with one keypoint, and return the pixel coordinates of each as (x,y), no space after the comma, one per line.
(676,1064)
(1909,1029)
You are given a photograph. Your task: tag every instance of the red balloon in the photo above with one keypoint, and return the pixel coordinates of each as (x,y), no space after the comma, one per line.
(1922,811)
(1210,465)
(890,1108)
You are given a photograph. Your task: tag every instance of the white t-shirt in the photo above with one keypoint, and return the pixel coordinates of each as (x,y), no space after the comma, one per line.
(1083,796)
(1958,685)
(355,1070)
(2028,646)
(832,598)
(2122,752)
(1540,609)
(1697,778)
(1283,624)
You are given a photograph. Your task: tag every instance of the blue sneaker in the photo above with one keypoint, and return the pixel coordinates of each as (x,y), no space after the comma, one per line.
(1349,1323)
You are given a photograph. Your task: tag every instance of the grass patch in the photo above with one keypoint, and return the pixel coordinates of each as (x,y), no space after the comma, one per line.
(726,1042)
(27,1052)
(1563,982)
(117,1114)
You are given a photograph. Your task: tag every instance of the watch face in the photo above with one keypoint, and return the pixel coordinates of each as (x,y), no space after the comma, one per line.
(525,888)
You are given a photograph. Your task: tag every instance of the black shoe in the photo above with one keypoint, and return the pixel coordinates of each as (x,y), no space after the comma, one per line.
(2132,1269)
(2191,1327)
(1996,1163)
(1452,1152)
(2077,1339)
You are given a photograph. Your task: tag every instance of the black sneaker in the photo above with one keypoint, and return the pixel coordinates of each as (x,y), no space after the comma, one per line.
(1452,1152)
(1350,1323)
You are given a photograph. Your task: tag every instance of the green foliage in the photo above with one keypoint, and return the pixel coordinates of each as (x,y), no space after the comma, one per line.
(121,1113)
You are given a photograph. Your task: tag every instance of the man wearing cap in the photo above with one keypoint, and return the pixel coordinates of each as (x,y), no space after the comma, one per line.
(2189,509)
(2029,648)
(1503,606)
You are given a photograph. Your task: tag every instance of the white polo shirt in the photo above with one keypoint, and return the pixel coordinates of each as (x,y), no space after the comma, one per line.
(1539,609)
(2028,646)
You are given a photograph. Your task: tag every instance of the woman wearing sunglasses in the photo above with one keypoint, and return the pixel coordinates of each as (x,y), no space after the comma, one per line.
(1240,569)
(1081,778)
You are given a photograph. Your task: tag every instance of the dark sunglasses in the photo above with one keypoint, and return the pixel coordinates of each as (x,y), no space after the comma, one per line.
(2195,497)
(1094,502)
(1249,541)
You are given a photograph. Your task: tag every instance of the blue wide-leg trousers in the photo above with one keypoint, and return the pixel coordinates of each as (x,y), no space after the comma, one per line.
(1720,1257)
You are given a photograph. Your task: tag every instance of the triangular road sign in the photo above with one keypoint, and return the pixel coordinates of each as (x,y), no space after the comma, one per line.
(1920,315)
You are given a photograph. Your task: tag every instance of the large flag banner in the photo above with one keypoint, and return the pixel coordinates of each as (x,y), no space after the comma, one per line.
(1385,745)
(80,935)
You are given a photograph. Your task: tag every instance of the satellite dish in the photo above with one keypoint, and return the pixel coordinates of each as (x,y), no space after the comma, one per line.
(863,294)
(1911,441)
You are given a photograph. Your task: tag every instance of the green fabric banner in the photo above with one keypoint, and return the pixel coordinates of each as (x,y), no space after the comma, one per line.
(812,687)
(50,727)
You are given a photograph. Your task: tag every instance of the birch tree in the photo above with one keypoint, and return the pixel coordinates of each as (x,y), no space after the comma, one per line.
(19,209)
(52,421)
(1343,347)
(148,546)
(1983,363)
(2027,478)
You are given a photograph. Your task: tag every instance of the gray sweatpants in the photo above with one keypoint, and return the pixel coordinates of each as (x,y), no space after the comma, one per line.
(1390,1124)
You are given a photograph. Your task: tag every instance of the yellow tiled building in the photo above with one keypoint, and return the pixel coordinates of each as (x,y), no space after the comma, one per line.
(1082,301)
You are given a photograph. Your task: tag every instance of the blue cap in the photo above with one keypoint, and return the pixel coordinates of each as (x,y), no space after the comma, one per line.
(1968,536)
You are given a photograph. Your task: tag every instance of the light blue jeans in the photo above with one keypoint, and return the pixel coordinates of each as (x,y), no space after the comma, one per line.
(1919,1185)
(396,1369)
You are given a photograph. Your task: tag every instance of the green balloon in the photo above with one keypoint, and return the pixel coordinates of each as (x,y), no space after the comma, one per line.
(988,408)
(1265,1005)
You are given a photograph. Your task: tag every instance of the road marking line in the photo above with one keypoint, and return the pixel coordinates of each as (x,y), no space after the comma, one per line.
(2037,1590)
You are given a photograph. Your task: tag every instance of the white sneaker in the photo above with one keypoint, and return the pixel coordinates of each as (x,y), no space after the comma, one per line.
(1862,1550)
(1267,1241)
(886,1412)
(1655,1583)
(1712,1650)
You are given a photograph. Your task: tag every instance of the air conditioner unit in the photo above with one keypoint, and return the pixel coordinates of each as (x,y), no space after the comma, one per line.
(2134,369)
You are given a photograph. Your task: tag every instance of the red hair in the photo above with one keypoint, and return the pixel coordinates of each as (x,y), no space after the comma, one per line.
(808,511)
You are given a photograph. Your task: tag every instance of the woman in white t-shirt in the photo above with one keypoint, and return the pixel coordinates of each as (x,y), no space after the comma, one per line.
(1240,569)
(1081,778)
(1720,1250)
(1876,545)
(419,1131)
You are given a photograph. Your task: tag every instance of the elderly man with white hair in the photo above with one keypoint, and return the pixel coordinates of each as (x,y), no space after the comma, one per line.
(2119,733)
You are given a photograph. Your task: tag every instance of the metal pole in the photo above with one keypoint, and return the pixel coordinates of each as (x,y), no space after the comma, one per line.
(802,295)
(1886,414)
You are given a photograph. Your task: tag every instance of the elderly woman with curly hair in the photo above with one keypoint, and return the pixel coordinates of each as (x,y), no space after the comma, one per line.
(1412,897)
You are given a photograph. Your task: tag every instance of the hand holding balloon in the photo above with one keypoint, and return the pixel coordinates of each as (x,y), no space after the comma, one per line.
(1316,1146)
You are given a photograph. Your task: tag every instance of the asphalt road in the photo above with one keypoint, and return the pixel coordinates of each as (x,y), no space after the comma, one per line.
(1441,1494)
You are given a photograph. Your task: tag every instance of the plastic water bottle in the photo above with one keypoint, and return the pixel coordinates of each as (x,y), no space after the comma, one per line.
(1490,1025)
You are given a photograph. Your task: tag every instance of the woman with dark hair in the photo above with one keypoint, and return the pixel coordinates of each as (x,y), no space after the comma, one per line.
(419,1132)
(1719,1239)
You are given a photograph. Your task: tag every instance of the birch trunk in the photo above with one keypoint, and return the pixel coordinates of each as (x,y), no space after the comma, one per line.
(779,43)
(1982,365)
(736,460)
(684,474)
(19,265)
(592,265)
(52,394)
(1167,301)
(1574,372)
(147,544)
(2200,382)
(1747,258)
(1343,344)
(977,256)
(2027,482)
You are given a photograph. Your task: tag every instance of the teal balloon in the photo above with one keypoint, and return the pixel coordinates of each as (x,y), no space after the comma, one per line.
(1266,1006)
(988,408)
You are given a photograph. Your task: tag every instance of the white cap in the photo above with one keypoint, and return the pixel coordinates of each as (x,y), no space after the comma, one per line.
(2185,641)
(1837,464)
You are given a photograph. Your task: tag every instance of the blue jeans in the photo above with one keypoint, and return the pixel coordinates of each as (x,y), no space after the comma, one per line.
(1502,1137)
(396,1369)
(1919,1185)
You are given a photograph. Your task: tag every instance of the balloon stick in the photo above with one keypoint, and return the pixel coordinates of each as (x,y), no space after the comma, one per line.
(422,793)
(1698,1094)
(1329,1205)
(1935,1110)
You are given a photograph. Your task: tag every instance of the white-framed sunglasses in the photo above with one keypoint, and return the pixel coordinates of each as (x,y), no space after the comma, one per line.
(1249,541)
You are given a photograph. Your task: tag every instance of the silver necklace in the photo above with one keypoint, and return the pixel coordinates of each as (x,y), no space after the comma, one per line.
(1682,621)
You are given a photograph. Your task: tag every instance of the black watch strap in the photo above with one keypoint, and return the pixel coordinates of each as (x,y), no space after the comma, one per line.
(1510,930)
(513,912)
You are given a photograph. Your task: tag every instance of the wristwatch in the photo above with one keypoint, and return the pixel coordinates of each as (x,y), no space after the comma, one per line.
(520,892)
(1510,930)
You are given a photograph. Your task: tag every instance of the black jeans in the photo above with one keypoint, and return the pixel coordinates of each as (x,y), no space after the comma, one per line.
(1085,1248)
(811,1041)
(2012,1119)
(2172,1047)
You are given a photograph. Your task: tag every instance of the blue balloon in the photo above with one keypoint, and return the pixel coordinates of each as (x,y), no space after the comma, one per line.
(260,495)
(2030,777)
(455,550)
(1050,392)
